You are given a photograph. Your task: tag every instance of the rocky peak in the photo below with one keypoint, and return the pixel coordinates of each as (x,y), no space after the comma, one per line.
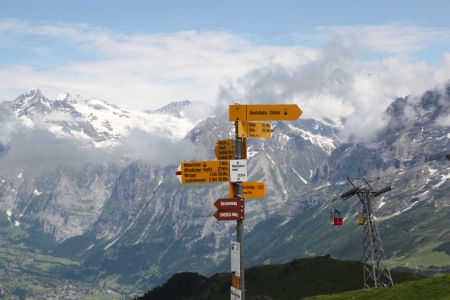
(30,103)
(173,109)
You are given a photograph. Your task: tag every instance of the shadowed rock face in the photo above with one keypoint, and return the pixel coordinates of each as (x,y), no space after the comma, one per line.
(115,209)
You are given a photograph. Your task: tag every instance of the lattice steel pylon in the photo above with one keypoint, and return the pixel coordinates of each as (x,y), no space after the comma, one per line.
(376,271)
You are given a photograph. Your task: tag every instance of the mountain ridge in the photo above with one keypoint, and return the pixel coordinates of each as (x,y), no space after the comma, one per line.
(130,224)
(93,121)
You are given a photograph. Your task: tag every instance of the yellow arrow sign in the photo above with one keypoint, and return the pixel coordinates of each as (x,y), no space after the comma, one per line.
(264,112)
(262,130)
(204,172)
(225,149)
(250,190)
(215,171)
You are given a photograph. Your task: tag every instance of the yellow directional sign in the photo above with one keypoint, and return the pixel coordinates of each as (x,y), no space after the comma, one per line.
(225,149)
(250,190)
(215,171)
(204,172)
(262,130)
(264,112)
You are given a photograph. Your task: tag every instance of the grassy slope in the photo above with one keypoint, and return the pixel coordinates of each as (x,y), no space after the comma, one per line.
(295,280)
(429,288)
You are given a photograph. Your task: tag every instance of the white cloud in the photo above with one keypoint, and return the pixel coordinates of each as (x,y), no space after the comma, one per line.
(136,71)
(147,71)
(394,38)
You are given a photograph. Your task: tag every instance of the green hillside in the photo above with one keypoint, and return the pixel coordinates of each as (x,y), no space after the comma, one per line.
(429,288)
(298,279)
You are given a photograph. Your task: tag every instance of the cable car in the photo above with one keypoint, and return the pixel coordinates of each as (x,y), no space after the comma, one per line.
(336,217)
(362,221)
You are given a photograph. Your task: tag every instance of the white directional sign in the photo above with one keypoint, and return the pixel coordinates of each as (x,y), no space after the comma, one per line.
(235,258)
(235,294)
(238,170)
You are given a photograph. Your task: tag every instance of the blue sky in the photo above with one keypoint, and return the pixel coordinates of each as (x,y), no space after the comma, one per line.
(146,54)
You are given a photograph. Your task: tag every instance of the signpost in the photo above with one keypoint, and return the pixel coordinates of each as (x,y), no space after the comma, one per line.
(231,166)
(216,171)
(238,170)
(262,130)
(235,270)
(225,149)
(264,112)
(250,190)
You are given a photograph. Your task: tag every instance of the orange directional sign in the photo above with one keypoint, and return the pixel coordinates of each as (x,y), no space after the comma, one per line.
(262,130)
(215,171)
(264,112)
(250,190)
(204,172)
(229,215)
(225,149)
(236,281)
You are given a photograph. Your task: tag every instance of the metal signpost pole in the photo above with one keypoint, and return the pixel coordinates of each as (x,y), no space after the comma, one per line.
(240,223)
(231,167)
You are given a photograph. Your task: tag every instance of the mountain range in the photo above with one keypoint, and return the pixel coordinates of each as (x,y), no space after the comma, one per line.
(94,186)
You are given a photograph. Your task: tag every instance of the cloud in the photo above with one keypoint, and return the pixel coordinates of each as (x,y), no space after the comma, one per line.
(338,83)
(337,71)
(392,38)
(7,124)
(152,148)
(39,150)
(197,111)
(141,71)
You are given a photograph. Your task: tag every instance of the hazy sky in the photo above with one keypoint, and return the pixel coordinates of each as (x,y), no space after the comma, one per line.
(146,54)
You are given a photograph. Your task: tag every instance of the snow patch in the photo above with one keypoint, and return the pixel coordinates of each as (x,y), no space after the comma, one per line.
(322,186)
(397,213)
(443,180)
(327,144)
(110,244)
(273,163)
(251,153)
(9,214)
(299,176)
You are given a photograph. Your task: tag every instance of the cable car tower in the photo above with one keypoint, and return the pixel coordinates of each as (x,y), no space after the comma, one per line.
(376,271)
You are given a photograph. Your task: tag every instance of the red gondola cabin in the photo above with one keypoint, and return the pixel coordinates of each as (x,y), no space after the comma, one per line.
(336,215)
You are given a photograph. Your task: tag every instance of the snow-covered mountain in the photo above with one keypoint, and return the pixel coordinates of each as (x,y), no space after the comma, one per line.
(96,123)
(130,223)
(410,156)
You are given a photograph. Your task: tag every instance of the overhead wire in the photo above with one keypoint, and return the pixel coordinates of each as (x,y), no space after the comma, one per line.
(284,232)
(408,168)
(289,244)
(379,178)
